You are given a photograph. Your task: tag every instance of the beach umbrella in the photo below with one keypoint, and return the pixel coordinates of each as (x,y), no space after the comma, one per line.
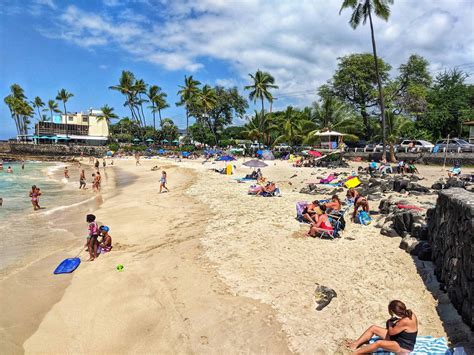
(176,141)
(185,154)
(165,141)
(161,151)
(136,140)
(254,163)
(150,140)
(225,158)
(314,153)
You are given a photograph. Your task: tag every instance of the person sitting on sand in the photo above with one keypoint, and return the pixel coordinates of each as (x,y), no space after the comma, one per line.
(401,167)
(411,168)
(35,193)
(455,170)
(269,188)
(372,167)
(322,223)
(359,201)
(91,242)
(334,204)
(310,211)
(399,335)
(106,242)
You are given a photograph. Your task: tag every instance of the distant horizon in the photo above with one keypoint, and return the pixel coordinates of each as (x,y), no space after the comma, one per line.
(84,47)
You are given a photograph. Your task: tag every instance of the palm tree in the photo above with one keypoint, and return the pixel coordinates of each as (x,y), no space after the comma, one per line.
(107,114)
(262,82)
(20,109)
(158,102)
(187,95)
(126,87)
(206,101)
(290,127)
(397,126)
(161,104)
(362,10)
(151,94)
(64,96)
(38,104)
(53,107)
(258,128)
(140,88)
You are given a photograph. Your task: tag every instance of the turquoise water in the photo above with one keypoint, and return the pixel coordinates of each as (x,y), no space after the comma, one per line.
(27,235)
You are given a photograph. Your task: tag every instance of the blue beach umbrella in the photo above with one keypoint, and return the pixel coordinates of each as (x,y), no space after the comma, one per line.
(225,158)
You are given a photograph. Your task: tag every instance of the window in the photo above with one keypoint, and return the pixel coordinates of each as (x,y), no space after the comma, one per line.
(85,119)
(70,118)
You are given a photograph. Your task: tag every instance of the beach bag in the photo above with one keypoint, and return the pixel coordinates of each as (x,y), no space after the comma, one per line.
(354,182)
(364,218)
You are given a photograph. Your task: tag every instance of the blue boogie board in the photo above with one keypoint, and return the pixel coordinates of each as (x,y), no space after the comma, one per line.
(67,266)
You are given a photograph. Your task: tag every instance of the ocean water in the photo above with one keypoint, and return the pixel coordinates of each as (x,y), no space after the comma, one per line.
(27,235)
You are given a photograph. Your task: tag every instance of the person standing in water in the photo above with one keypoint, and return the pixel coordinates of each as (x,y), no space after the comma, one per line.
(10,170)
(35,194)
(163,182)
(82,180)
(66,172)
(22,165)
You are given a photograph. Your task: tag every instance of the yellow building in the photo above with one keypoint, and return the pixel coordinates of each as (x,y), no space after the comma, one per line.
(79,127)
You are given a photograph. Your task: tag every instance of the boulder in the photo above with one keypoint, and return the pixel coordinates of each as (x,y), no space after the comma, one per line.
(402,222)
(411,186)
(422,250)
(400,184)
(323,296)
(388,230)
(374,196)
(454,182)
(408,243)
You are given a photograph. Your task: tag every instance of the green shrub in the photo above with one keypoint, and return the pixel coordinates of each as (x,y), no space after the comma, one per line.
(113,147)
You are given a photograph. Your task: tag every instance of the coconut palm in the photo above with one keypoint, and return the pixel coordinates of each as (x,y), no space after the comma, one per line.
(262,83)
(20,109)
(53,108)
(158,102)
(107,114)
(206,101)
(64,96)
(188,95)
(258,128)
(291,127)
(140,88)
(126,87)
(38,104)
(362,10)
(397,126)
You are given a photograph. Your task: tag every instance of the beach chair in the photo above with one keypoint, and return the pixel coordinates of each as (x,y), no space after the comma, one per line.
(271,194)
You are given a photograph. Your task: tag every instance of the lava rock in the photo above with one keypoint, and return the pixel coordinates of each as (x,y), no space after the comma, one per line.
(388,230)
(423,251)
(408,243)
(323,296)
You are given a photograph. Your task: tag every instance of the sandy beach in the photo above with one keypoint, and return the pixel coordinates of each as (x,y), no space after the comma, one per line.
(210,269)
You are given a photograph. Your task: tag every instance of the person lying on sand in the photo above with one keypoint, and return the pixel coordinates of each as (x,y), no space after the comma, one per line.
(269,188)
(155,168)
(321,224)
(399,335)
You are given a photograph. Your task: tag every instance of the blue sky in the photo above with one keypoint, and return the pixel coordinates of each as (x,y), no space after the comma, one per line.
(82,46)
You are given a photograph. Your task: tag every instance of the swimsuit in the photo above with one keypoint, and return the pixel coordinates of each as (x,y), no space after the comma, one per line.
(405,339)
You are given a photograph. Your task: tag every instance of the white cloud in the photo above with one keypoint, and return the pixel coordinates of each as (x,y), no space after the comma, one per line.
(297,41)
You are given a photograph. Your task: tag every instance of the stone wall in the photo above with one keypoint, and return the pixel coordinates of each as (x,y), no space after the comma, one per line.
(56,150)
(423,157)
(451,234)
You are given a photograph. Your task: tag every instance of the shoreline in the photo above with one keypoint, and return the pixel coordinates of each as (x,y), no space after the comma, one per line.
(178,303)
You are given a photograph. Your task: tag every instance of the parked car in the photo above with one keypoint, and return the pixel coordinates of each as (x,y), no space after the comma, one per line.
(378,147)
(370,147)
(358,144)
(282,147)
(455,144)
(417,144)
(257,146)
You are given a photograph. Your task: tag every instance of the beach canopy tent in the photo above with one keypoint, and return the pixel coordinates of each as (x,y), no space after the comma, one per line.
(175,141)
(225,158)
(268,155)
(254,163)
(212,151)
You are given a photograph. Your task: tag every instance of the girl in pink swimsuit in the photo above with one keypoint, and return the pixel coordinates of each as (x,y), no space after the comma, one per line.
(35,194)
(322,223)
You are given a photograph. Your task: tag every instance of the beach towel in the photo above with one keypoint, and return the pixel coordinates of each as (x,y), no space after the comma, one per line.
(424,345)
(330,178)
(354,182)
(409,207)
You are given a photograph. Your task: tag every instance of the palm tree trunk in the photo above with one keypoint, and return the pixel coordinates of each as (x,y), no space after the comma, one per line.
(379,84)
(365,117)
(393,159)
(39,113)
(187,122)
(261,128)
(153,111)
(65,115)
(159,115)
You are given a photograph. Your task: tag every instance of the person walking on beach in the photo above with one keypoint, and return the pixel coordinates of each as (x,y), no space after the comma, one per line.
(104,163)
(35,194)
(82,180)
(137,159)
(97,164)
(97,181)
(91,242)
(399,335)
(66,172)
(163,182)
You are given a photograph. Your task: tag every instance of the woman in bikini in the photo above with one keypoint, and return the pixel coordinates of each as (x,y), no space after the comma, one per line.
(399,335)
(322,223)
(310,212)
(334,205)
(35,194)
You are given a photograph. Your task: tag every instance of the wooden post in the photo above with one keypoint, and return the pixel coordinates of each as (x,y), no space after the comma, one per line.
(445,153)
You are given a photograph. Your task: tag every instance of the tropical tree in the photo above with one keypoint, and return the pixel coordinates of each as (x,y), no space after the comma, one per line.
(64,96)
(291,127)
(126,87)
(107,114)
(140,88)
(53,108)
(205,102)
(20,110)
(362,10)
(157,98)
(38,104)
(188,94)
(258,128)
(397,126)
(260,89)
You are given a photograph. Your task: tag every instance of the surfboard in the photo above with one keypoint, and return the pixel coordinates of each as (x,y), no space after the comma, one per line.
(67,266)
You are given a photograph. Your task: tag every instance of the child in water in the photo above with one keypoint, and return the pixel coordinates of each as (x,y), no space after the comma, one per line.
(163,182)
(91,242)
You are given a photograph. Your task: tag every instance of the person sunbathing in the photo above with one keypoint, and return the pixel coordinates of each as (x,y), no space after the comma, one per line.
(455,170)
(269,189)
(334,204)
(399,335)
(322,223)
(310,211)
